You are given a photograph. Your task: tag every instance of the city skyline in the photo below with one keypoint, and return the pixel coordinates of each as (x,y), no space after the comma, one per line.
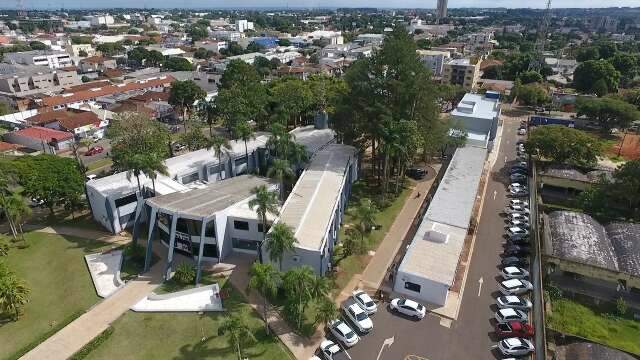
(80,4)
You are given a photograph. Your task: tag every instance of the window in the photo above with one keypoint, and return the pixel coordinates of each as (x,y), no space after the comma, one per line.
(412,286)
(260,228)
(241,160)
(210,231)
(126,200)
(240,225)
(190,178)
(242,244)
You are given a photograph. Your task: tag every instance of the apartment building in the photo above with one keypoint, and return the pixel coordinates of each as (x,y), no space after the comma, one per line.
(434,60)
(464,72)
(23,80)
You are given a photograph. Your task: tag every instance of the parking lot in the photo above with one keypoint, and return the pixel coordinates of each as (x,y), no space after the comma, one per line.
(471,336)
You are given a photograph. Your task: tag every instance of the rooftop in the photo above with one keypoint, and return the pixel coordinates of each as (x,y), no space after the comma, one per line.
(578,237)
(46,134)
(18,70)
(477,106)
(310,206)
(460,62)
(214,197)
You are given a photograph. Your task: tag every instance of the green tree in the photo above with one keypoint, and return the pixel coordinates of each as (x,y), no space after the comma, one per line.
(281,171)
(197,32)
(280,242)
(185,95)
(364,215)
(493,72)
(531,94)
(264,279)
(173,63)
(284,42)
(587,53)
(292,96)
(326,311)
(589,72)
(220,145)
(110,49)
(207,111)
(17,209)
(298,283)
(239,333)
(14,292)
(154,58)
(265,202)
(37,45)
(244,132)
(194,139)
(4,109)
(609,112)
(47,178)
(238,72)
(562,144)
(529,77)
(138,54)
(138,144)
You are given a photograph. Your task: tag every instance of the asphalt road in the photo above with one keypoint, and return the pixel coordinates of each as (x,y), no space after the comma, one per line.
(105,143)
(471,336)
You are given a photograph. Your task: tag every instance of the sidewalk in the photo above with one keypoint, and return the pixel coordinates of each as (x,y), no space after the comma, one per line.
(373,275)
(82,330)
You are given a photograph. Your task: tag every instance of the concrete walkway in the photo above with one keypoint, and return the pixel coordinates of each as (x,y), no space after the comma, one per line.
(81,331)
(102,236)
(373,275)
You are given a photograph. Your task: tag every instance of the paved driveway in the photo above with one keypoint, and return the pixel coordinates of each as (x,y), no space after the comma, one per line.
(471,336)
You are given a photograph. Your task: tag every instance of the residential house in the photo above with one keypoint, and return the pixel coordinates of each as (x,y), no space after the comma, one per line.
(43,139)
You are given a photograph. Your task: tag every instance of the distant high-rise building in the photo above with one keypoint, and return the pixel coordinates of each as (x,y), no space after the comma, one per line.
(442,9)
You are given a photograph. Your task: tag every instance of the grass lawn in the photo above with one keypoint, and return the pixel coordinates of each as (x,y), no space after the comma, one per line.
(54,268)
(185,336)
(355,264)
(574,318)
(99,164)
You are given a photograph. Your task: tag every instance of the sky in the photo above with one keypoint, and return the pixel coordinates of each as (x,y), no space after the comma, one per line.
(56,4)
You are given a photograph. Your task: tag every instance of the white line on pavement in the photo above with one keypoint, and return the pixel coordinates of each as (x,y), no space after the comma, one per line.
(480,281)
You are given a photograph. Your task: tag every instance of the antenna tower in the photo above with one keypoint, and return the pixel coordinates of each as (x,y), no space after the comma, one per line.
(538,61)
(22,13)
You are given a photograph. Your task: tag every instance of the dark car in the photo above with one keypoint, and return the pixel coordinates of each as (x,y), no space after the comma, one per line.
(516,250)
(416,173)
(515,261)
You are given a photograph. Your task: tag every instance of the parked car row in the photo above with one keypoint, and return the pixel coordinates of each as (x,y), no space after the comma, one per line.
(356,322)
(512,315)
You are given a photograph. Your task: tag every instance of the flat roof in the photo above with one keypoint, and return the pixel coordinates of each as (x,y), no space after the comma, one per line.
(120,184)
(313,139)
(476,106)
(434,260)
(210,199)
(310,206)
(453,201)
(435,249)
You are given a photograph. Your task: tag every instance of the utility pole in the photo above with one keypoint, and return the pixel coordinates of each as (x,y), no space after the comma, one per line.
(538,62)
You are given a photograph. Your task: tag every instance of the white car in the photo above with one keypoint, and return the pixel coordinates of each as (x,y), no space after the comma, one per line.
(343,333)
(522,132)
(518,217)
(408,307)
(517,232)
(515,286)
(517,223)
(517,202)
(364,301)
(515,347)
(505,315)
(514,272)
(513,302)
(331,350)
(516,209)
(358,317)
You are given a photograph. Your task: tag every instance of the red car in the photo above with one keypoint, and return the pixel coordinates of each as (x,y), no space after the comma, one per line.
(94,150)
(514,329)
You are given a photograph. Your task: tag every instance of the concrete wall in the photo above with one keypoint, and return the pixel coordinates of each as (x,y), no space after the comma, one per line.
(553,264)
(430,291)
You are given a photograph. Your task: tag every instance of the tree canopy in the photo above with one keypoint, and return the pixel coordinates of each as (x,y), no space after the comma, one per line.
(609,112)
(564,145)
(589,73)
(616,197)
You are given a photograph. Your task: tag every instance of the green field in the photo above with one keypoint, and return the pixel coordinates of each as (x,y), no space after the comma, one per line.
(61,288)
(185,336)
(574,318)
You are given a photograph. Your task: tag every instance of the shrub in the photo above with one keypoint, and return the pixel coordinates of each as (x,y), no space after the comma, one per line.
(553,291)
(185,273)
(621,307)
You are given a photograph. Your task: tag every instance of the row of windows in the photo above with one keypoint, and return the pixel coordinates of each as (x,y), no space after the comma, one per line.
(188,226)
(244,225)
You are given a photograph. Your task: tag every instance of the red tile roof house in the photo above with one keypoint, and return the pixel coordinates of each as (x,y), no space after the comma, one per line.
(79,123)
(41,139)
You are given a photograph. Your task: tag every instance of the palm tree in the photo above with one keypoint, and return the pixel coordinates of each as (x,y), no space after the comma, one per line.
(280,170)
(298,283)
(17,210)
(320,287)
(219,144)
(280,140)
(326,311)
(244,132)
(5,194)
(207,111)
(264,279)
(265,202)
(239,332)
(365,214)
(152,167)
(281,241)
(14,293)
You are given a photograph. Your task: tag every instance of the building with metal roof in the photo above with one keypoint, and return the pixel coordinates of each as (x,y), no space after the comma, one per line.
(428,268)
(316,205)
(478,115)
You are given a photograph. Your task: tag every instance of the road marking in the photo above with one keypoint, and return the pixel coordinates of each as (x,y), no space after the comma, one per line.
(415,357)
(480,281)
(505,159)
(495,192)
(446,322)
(387,342)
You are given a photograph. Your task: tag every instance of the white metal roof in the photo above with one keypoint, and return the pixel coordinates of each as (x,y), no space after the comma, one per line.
(310,206)
(476,106)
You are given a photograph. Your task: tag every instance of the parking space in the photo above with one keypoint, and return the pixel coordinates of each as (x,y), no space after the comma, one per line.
(472,335)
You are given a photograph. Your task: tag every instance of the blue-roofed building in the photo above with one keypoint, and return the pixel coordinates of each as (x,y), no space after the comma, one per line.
(267,42)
